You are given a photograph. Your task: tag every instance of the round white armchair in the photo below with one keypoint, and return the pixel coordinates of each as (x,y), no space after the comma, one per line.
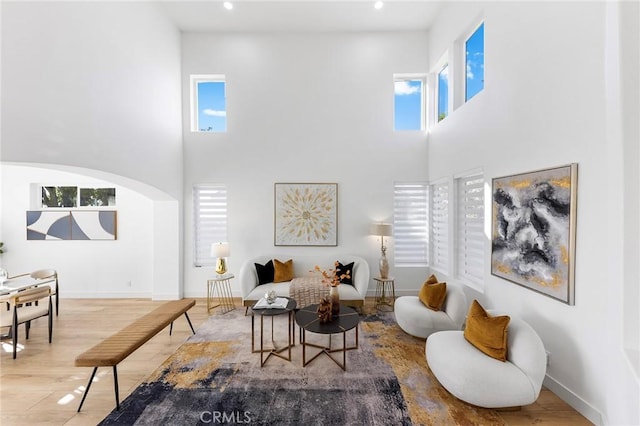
(416,319)
(478,379)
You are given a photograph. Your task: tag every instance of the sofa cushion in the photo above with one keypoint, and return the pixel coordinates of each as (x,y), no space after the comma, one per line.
(487,333)
(343,269)
(265,272)
(433,295)
(283,271)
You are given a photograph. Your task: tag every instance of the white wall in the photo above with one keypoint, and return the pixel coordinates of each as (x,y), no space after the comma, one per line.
(303,108)
(629,55)
(96,85)
(549,92)
(120,268)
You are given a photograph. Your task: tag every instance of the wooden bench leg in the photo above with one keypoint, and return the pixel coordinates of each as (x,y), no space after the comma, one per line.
(86,391)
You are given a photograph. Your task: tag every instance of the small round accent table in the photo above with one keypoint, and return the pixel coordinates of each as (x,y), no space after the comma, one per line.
(347,319)
(220,284)
(385,293)
(274,350)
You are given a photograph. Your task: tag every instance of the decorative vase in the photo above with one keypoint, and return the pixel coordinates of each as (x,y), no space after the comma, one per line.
(384,266)
(335,300)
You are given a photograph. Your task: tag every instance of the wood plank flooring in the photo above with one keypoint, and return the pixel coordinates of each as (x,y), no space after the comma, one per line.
(43,387)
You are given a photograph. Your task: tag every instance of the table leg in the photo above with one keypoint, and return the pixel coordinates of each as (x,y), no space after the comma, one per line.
(304,346)
(344,350)
(261,340)
(393,292)
(228,297)
(290,328)
(252,333)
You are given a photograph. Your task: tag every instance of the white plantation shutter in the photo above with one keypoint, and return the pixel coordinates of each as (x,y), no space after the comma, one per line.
(210,220)
(470,228)
(440,226)
(410,224)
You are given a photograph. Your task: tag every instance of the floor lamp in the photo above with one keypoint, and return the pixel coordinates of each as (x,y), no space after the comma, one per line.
(383,230)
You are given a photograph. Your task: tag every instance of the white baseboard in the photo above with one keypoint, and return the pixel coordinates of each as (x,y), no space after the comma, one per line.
(125,295)
(372,293)
(166,296)
(579,404)
(110,295)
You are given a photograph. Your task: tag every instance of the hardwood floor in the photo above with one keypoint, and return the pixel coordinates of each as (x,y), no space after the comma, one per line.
(43,387)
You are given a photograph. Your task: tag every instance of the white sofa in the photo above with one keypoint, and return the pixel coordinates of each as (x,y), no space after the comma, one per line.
(478,379)
(351,295)
(418,320)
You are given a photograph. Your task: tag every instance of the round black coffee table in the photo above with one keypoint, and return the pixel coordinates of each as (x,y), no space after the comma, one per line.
(272,312)
(347,319)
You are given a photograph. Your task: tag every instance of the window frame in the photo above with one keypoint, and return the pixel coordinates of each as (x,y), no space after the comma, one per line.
(464,40)
(401,222)
(78,199)
(438,90)
(423,97)
(217,225)
(444,62)
(194,80)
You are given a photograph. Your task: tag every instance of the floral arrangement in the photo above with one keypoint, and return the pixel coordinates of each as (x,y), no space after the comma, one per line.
(333,277)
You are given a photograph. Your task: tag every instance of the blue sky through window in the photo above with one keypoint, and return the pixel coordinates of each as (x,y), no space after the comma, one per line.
(474,48)
(212,106)
(443,92)
(408,104)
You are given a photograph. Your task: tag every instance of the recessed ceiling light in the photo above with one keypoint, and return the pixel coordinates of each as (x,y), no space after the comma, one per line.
(228,5)
(378,5)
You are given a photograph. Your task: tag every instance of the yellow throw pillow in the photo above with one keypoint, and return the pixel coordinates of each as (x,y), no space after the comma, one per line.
(487,333)
(433,295)
(283,271)
(431,280)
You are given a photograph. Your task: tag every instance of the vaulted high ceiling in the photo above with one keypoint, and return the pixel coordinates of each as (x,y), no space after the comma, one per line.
(301,15)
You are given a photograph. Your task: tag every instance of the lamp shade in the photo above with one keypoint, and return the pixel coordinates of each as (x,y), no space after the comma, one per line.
(382,229)
(220,250)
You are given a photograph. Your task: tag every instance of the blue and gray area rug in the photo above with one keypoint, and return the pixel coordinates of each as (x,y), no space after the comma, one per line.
(214,378)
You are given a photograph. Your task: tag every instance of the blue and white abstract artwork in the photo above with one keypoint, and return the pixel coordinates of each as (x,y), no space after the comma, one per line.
(534,222)
(71,225)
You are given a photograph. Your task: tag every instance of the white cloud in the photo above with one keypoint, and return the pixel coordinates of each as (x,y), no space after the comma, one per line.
(214,112)
(469,72)
(404,88)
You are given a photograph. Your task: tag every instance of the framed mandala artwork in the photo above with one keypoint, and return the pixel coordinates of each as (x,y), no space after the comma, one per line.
(306,214)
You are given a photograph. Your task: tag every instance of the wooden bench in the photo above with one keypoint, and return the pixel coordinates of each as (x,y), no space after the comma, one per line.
(112,350)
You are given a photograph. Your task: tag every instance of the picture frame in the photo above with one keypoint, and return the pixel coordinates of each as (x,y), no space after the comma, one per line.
(305,214)
(534,230)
